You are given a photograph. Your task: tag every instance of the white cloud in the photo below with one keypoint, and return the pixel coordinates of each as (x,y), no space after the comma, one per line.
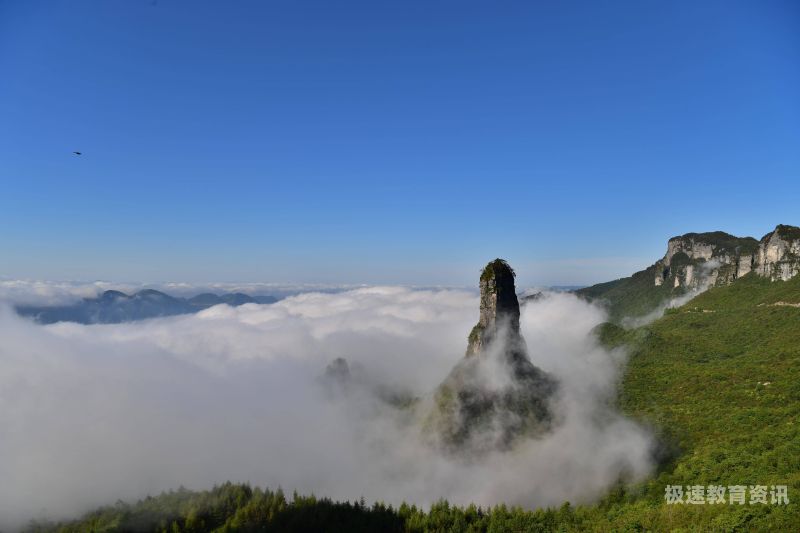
(90,414)
(35,292)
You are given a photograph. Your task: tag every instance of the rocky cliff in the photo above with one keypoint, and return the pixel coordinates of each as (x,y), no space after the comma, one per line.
(499,307)
(698,260)
(494,394)
(778,254)
(694,262)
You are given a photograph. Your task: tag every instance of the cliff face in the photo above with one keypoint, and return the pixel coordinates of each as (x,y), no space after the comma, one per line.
(494,394)
(499,306)
(779,254)
(698,260)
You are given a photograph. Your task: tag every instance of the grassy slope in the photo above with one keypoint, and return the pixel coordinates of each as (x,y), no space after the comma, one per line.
(637,295)
(697,377)
(698,373)
(633,296)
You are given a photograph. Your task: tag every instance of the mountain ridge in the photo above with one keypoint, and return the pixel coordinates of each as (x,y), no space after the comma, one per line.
(113,307)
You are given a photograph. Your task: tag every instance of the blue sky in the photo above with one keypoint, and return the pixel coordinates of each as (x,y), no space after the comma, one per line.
(388,142)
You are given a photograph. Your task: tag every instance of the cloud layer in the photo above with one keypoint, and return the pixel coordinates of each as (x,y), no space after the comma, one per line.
(95,413)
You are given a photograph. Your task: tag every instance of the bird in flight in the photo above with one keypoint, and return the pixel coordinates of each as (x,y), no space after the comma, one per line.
(77,153)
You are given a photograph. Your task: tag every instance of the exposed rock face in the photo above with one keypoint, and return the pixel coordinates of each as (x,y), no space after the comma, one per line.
(495,394)
(499,306)
(698,260)
(779,254)
(692,245)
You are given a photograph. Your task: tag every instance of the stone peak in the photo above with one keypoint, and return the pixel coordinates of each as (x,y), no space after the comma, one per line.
(473,412)
(499,268)
(499,305)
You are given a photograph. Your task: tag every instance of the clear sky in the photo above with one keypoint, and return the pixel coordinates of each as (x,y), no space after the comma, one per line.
(388,142)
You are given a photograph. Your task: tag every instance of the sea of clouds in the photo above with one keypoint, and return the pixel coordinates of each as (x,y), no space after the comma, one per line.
(92,414)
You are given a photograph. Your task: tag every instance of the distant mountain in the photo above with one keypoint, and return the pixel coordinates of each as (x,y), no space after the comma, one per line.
(113,307)
(696,261)
(209,299)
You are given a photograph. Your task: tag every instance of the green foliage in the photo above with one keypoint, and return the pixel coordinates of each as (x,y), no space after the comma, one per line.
(723,243)
(720,379)
(233,507)
(634,296)
(474,334)
(489,270)
(787,233)
(239,508)
(611,335)
(746,293)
